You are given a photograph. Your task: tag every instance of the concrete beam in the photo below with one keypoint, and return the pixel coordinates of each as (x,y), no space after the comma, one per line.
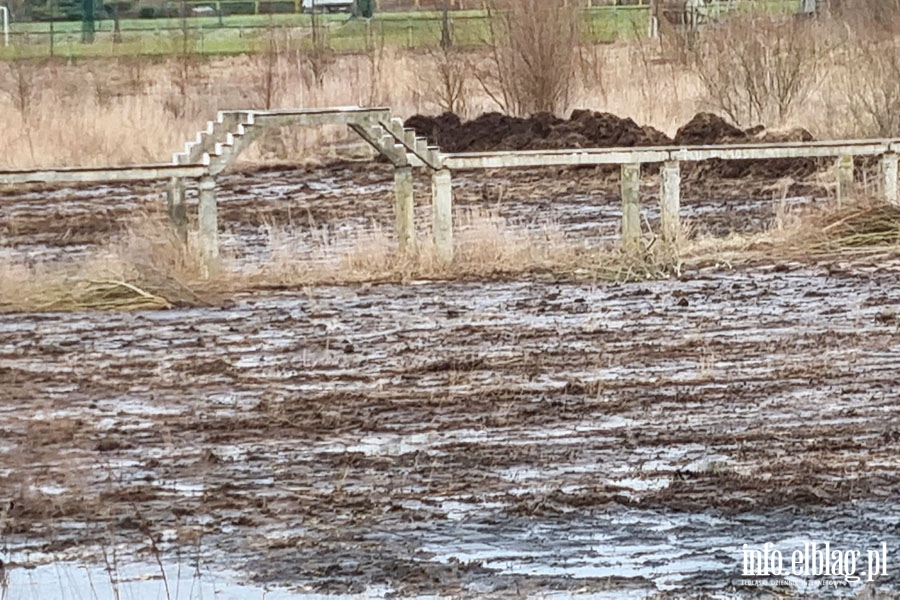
(659,154)
(781,150)
(307,118)
(377,112)
(844,176)
(630,185)
(670,203)
(550,158)
(177,210)
(889,172)
(404,208)
(442,220)
(209,225)
(106,174)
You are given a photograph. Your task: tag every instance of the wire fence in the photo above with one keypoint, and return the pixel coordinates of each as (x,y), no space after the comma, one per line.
(212,28)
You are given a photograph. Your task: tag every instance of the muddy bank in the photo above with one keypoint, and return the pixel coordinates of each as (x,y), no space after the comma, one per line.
(589,129)
(462,439)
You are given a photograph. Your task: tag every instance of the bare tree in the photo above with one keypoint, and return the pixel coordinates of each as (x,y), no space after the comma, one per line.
(447,81)
(21,85)
(532,55)
(867,82)
(319,58)
(267,82)
(760,69)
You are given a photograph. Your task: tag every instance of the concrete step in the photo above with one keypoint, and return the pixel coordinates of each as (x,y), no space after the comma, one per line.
(395,126)
(409,136)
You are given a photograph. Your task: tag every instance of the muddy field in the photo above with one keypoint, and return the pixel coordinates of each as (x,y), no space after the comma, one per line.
(445,439)
(325,202)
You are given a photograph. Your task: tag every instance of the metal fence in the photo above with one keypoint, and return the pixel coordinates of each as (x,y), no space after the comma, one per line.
(218,31)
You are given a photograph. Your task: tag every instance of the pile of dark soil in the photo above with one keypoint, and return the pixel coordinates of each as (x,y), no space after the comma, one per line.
(495,131)
(707,129)
(587,129)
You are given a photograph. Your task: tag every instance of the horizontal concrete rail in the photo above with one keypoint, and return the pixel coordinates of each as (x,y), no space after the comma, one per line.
(659,154)
(325,116)
(102,174)
(552,158)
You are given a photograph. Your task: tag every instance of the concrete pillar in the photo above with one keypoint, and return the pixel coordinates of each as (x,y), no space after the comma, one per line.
(889,170)
(844,168)
(404,208)
(670,202)
(442,224)
(176,208)
(209,223)
(630,185)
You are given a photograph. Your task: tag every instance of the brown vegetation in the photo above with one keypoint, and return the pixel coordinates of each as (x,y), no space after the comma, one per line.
(835,79)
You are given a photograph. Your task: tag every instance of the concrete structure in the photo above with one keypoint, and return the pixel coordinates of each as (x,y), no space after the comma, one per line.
(889,173)
(670,203)
(404,208)
(630,189)
(220,144)
(442,221)
(844,176)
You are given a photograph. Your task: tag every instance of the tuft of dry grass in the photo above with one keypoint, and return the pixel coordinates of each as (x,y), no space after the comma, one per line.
(144,268)
(866,225)
(865,222)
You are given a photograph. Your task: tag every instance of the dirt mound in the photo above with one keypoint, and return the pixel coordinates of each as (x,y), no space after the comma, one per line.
(495,131)
(589,129)
(707,128)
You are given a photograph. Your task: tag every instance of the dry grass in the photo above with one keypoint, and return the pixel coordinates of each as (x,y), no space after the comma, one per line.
(485,247)
(147,267)
(119,111)
(866,227)
(128,110)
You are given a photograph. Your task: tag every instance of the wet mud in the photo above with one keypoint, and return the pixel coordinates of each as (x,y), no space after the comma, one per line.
(465,439)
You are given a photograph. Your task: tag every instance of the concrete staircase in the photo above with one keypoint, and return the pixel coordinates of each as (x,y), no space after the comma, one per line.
(224,139)
(415,147)
(220,143)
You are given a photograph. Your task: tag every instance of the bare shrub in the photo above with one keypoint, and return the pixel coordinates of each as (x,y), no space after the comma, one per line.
(319,58)
(266,82)
(866,77)
(21,85)
(135,75)
(375,60)
(448,80)
(184,71)
(759,69)
(532,55)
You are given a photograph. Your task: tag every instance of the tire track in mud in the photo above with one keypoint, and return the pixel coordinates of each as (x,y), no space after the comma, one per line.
(466,438)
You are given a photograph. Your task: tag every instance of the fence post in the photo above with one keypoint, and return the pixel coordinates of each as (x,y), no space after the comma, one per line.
(442,205)
(889,170)
(844,176)
(209,224)
(404,208)
(670,203)
(630,185)
(176,207)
